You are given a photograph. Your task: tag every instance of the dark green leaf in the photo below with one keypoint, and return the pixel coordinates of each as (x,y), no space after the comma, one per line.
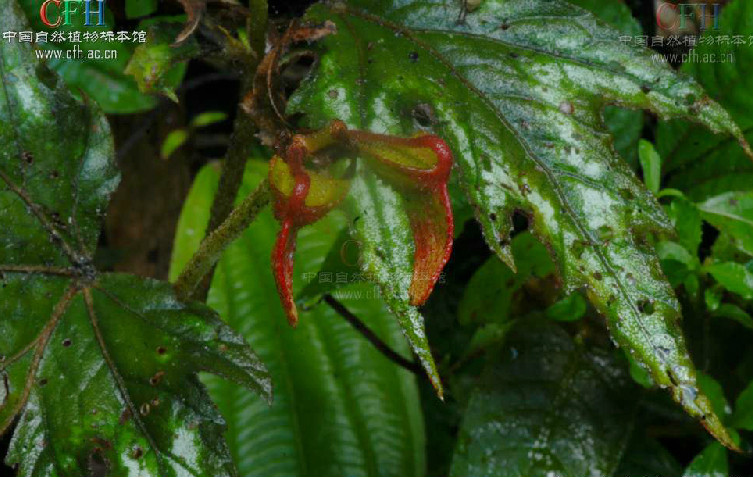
(743,415)
(735,277)
(97,369)
(696,161)
(734,312)
(732,213)
(712,462)
(651,165)
(571,308)
(517,90)
(714,391)
(341,408)
(549,407)
(645,457)
(686,219)
(489,295)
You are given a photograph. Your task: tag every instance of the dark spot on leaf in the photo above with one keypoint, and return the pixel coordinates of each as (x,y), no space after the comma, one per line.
(504,26)
(43,382)
(492,216)
(424,115)
(646,307)
(27,157)
(138,452)
(55,174)
(67,342)
(413,56)
(646,89)
(598,276)
(333,93)
(124,416)
(514,55)
(157,378)
(161,350)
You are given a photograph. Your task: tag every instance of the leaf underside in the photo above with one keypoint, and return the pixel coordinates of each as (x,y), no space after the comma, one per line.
(98,371)
(517,90)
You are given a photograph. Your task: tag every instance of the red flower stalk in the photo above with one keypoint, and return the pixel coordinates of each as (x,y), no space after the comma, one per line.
(419,168)
(301,197)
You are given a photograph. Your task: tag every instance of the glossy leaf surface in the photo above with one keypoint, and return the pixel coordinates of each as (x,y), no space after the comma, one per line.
(340,407)
(548,407)
(517,89)
(98,370)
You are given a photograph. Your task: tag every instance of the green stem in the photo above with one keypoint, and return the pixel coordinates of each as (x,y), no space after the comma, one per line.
(210,250)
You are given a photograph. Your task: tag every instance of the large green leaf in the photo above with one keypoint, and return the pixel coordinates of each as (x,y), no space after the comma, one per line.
(98,370)
(696,161)
(341,408)
(549,406)
(517,90)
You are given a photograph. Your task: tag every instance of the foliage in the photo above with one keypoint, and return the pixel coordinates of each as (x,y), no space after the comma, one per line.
(98,369)
(493,254)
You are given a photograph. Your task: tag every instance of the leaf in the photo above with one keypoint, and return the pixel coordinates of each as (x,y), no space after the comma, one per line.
(340,407)
(645,457)
(488,297)
(516,90)
(98,369)
(157,66)
(736,313)
(742,418)
(570,308)
(208,118)
(712,462)
(651,165)
(686,220)
(732,213)
(735,277)
(625,125)
(140,8)
(101,79)
(695,161)
(172,142)
(714,391)
(548,407)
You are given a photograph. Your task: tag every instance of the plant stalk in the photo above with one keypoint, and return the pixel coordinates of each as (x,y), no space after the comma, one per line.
(203,261)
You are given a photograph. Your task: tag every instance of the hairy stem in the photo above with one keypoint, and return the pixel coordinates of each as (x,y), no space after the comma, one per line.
(380,345)
(203,261)
(242,140)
